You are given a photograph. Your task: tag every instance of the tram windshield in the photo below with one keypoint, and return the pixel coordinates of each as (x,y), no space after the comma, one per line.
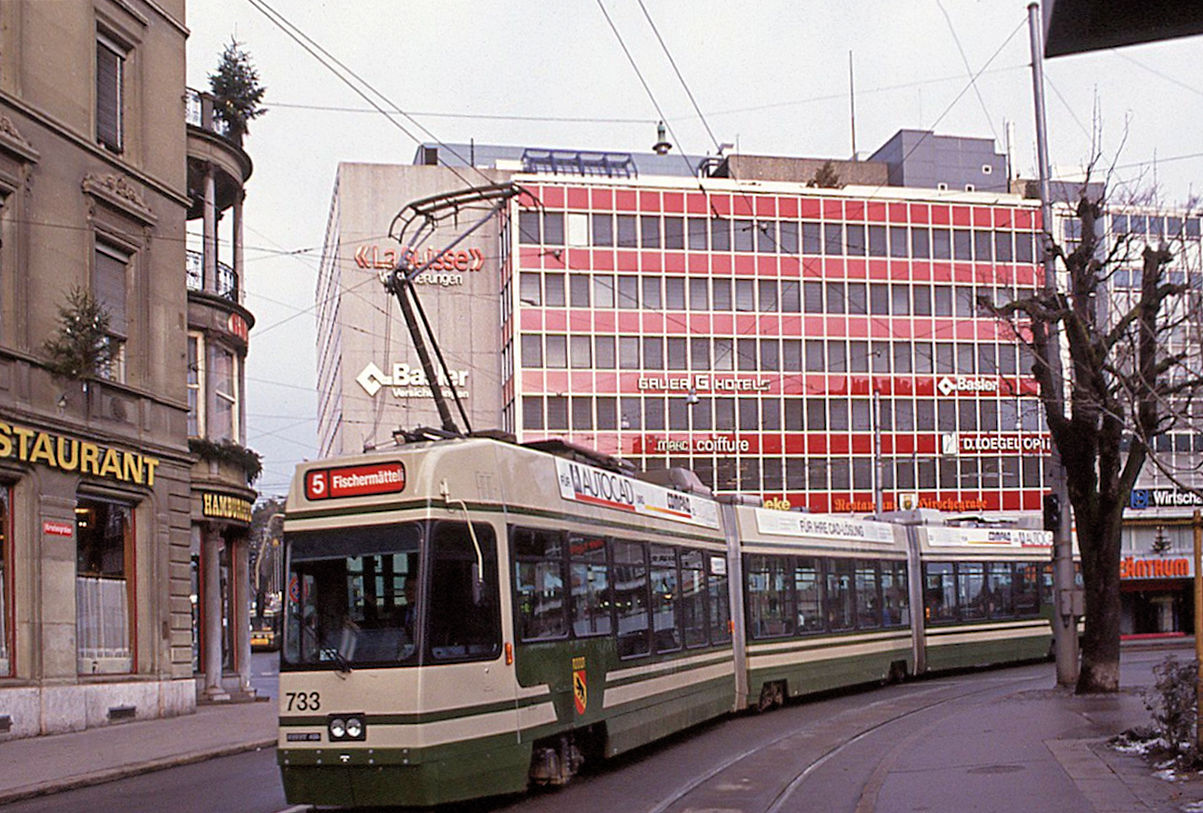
(353,595)
(397,594)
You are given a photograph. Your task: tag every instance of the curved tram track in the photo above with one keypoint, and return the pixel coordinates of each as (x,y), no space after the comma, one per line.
(833,752)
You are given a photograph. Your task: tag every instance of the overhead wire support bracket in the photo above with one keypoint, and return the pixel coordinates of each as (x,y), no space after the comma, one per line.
(427,213)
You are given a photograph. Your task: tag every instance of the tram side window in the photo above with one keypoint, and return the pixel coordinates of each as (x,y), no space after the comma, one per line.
(971,590)
(868,601)
(839,594)
(631,598)
(719,601)
(666,631)
(539,584)
(590,586)
(693,597)
(998,585)
(770,613)
(1027,589)
(895,603)
(465,617)
(939,592)
(808,590)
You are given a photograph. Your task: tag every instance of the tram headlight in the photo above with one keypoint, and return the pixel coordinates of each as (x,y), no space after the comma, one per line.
(344,727)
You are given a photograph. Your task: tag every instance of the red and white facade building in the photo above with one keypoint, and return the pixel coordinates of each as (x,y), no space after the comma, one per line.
(764,334)
(768,334)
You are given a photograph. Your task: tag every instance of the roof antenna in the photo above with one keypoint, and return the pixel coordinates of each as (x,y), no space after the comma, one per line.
(852,104)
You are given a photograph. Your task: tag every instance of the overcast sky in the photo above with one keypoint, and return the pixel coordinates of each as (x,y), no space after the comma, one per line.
(770,77)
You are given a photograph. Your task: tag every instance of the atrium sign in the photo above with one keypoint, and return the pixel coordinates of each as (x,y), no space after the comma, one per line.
(406,381)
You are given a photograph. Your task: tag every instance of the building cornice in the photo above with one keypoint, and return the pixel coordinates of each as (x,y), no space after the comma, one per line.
(95,150)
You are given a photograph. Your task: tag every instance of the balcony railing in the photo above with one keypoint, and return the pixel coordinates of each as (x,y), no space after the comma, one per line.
(199,107)
(227,278)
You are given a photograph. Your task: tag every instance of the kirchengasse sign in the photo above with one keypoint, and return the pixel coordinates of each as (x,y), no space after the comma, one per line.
(71,454)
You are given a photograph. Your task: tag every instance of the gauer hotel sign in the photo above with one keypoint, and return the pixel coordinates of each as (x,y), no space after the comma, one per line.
(27,445)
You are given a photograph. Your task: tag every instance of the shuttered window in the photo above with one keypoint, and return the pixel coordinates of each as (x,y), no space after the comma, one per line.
(109,286)
(110,61)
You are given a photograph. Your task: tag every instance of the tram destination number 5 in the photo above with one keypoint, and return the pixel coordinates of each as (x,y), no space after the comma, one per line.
(303,701)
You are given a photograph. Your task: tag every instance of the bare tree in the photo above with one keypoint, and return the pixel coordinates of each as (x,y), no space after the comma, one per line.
(1133,375)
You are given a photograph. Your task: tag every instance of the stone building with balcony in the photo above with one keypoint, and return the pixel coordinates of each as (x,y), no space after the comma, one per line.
(95,468)
(218,327)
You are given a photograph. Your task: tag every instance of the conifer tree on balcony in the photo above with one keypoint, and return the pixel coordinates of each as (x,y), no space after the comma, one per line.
(237,94)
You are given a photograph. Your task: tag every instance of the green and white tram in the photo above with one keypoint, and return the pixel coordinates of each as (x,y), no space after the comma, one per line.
(465,615)
(826,603)
(984,601)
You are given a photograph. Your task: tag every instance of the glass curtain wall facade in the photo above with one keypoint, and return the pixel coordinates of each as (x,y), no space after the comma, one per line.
(762,338)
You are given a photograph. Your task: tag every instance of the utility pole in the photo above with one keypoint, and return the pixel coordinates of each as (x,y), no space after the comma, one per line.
(1065,626)
(1198,533)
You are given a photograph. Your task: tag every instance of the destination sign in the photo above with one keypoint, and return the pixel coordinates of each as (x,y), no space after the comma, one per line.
(355,481)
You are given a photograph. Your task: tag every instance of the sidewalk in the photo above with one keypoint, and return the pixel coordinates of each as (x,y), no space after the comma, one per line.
(39,765)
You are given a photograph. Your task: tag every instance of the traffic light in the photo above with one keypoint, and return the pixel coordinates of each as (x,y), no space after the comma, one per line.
(1052,513)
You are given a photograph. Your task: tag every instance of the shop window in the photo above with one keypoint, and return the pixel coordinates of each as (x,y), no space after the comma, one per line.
(5,591)
(104,536)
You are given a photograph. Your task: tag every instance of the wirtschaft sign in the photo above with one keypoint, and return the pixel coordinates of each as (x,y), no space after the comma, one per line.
(1143,498)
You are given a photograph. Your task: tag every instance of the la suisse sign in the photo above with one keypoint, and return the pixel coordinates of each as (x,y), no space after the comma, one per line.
(445,270)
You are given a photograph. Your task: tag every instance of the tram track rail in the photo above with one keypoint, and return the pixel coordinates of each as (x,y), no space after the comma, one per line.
(829,728)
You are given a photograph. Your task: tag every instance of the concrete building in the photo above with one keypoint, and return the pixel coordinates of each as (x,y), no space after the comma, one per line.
(217,342)
(103,505)
(94,474)
(1157,570)
(679,311)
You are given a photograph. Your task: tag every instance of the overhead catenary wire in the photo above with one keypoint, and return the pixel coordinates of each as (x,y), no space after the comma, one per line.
(677,71)
(360,86)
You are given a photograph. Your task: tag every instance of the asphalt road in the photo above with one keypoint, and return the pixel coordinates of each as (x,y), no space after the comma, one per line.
(833,753)
(265,672)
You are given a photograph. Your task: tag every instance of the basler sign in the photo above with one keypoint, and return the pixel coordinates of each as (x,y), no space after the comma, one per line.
(407,381)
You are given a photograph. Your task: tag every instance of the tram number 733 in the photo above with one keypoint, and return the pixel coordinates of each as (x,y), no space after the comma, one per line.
(303,701)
